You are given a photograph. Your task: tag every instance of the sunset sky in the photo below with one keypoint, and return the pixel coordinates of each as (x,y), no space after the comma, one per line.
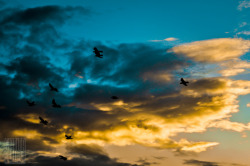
(148,46)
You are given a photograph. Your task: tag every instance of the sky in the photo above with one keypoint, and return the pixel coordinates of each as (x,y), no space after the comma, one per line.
(148,46)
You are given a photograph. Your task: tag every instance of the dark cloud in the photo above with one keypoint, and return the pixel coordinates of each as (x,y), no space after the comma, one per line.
(200,163)
(87,150)
(207,163)
(41,15)
(145,162)
(100,160)
(33,69)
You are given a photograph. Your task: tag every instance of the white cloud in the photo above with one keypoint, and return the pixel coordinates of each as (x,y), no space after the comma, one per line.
(244,33)
(170,39)
(167,39)
(243,24)
(243,4)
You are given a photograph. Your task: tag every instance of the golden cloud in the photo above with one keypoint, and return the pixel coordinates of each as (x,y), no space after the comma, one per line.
(155,121)
(214,50)
(205,103)
(233,67)
(32,118)
(228,125)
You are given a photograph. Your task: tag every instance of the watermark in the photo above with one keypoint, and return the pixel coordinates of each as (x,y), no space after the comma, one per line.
(14,150)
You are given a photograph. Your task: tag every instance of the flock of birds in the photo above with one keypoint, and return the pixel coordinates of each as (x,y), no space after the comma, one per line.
(55,105)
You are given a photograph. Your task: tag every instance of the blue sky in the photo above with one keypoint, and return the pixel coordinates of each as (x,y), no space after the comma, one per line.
(140,21)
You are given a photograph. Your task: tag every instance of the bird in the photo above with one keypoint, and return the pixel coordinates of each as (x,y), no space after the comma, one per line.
(68,137)
(45,122)
(184,82)
(114,97)
(97,53)
(53,88)
(62,157)
(30,103)
(55,105)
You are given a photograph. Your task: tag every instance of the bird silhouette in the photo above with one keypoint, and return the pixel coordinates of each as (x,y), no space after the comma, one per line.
(52,88)
(114,97)
(97,53)
(55,105)
(30,103)
(45,122)
(62,157)
(184,82)
(68,137)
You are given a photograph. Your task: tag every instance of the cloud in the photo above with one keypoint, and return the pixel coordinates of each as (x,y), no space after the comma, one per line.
(41,15)
(208,163)
(243,4)
(100,160)
(228,125)
(160,77)
(200,163)
(244,33)
(87,150)
(145,162)
(214,50)
(167,39)
(233,67)
(170,39)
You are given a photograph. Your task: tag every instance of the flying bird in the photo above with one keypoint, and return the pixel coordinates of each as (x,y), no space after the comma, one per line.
(30,103)
(184,82)
(97,53)
(63,158)
(53,88)
(45,122)
(55,105)
(114,97)
(68,137)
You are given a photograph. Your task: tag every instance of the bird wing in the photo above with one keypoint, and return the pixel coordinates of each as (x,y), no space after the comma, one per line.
(51,86)
(54,102)
(41,118)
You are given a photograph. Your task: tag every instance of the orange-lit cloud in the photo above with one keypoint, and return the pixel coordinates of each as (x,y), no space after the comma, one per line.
(233,67)
(33,118)
(214,50)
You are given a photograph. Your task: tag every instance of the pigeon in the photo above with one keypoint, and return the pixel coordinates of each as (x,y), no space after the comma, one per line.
(30,103)
(184,82)
(62,157)
(55,105)
(53,88)
(114,97)
(45,122)
(68,137)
